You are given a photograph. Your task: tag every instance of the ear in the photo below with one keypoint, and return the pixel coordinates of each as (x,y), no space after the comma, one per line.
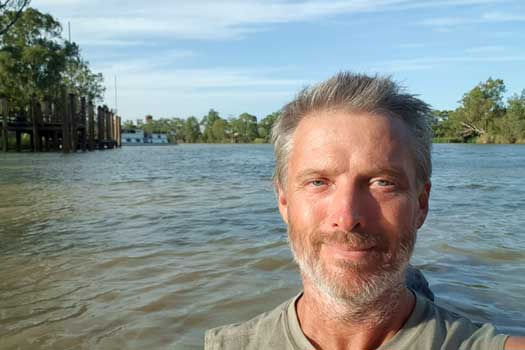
(282,203)
(423,199)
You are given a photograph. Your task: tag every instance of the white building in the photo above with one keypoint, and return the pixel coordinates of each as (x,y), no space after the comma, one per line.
(138,137)
(133,137)
(156,138)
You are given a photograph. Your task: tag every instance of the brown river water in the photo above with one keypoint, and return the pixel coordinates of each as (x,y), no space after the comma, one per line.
(146,247)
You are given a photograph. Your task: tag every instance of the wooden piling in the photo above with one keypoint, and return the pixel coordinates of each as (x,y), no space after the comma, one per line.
(117,131)
(4,111)
(46,110)
(82,117)
(108,127)
(18,141)
(100,127)
(66,123)
(36,117)
(74,121)
(91,126)
(111,137)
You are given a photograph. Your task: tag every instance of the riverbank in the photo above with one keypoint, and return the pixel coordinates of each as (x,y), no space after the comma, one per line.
(490,140)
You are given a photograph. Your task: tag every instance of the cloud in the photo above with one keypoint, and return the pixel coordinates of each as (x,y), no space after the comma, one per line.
(487,17)
(141,77)
(425,63)
(485,49)
(121,21)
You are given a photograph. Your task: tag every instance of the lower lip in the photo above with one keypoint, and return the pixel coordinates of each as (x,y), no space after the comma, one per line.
(339,252)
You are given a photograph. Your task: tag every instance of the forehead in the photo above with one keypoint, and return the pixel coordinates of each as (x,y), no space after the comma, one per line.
(352,140)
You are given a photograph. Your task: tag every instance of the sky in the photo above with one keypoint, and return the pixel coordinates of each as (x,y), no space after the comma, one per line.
(180,58)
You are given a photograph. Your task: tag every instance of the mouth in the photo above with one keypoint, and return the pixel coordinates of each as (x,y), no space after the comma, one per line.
(354,253)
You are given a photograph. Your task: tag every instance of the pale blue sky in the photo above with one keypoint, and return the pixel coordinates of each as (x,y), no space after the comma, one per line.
(182,57)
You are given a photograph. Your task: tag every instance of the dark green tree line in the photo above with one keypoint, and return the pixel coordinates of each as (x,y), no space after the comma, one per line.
(483,116)
(212,128)
(35,60)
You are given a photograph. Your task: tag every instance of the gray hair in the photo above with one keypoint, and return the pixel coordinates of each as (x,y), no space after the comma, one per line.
(355,93)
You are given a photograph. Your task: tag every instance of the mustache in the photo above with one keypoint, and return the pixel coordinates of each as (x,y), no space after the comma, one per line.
(359,240)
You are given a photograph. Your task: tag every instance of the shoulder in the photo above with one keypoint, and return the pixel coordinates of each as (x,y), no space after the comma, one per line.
(450,330)
(257,333)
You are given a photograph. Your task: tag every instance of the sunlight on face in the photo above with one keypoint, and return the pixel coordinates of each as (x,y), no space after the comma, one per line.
(351,203)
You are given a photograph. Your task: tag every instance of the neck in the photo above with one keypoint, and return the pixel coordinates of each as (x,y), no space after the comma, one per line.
(333,324)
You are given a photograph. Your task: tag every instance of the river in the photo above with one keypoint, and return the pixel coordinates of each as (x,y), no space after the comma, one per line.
(146,247)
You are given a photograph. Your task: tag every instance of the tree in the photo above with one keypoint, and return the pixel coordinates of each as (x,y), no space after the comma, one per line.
(78,78)
(192,131)
(248,127)
(16,7)
(35,61)
(480,107)
(442,125)
(31,58)
(220,130)
(512,125)
(265,126)
(128,125)
(207,123)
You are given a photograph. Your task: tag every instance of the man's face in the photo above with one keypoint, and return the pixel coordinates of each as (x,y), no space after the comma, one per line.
(352,203)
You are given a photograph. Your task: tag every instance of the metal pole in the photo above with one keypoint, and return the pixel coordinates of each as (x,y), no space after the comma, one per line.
(116,104)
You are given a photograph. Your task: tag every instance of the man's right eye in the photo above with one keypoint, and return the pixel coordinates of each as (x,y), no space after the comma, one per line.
(317,183)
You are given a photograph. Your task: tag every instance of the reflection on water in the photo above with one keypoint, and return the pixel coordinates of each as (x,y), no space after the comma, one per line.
(147,247)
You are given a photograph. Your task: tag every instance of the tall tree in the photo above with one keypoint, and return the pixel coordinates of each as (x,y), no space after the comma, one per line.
(79,78)
(220,131)
(31,57)
(192,131)
(265,126)
(480,107)
(512,125)
(207,124)
(248,127)
(16,7)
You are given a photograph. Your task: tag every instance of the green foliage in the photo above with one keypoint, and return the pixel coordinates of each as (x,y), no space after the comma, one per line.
(78,78)
(265,126)
(207,123)
(15,7)
(211,129)
(128,125)
(483,117)
(34,60)
(191,132)
(219,131)
(244,128)
(479,109)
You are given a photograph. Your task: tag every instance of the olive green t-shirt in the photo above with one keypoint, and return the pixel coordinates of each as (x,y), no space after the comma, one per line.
(428,327)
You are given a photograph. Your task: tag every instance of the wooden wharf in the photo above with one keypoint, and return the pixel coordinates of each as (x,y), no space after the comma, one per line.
(67,124)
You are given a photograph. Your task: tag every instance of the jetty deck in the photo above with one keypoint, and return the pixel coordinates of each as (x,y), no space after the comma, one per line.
(66,124)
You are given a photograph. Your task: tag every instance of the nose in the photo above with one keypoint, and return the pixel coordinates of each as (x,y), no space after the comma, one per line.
(346,209)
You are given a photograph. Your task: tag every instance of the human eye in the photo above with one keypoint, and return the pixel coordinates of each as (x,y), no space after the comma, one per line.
(316,183)
(383,184)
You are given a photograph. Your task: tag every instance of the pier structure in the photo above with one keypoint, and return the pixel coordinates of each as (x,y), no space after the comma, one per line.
(67,124)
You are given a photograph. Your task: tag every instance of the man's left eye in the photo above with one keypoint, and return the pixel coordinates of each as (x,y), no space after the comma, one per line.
(317,183)
(384,183)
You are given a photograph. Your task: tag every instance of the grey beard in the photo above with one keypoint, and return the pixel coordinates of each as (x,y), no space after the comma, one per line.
(372,298)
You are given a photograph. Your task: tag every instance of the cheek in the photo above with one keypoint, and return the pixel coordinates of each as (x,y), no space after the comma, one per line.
(306,212)
(398,217)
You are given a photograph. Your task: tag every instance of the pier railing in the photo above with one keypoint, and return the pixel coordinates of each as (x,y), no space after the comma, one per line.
(68,123)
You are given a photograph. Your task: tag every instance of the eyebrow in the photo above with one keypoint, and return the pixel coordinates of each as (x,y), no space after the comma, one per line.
(313,172)
(390,171)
